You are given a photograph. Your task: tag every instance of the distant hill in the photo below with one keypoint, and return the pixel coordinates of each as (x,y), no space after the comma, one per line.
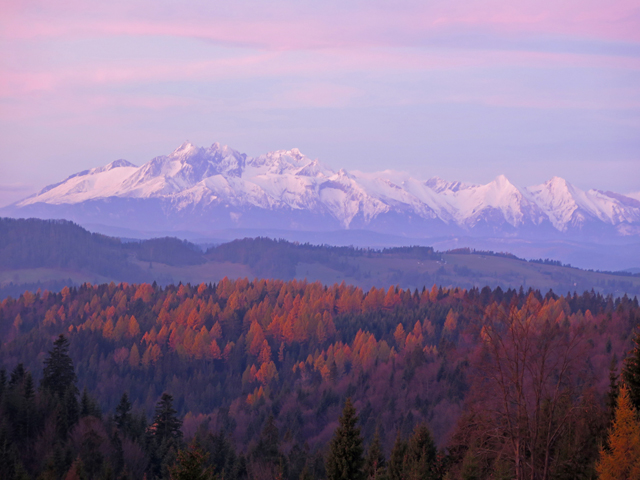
(52,253)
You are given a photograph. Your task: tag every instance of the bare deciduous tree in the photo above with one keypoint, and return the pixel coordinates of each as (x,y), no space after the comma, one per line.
(524,397)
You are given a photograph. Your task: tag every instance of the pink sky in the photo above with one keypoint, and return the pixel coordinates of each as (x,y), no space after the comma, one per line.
(82,83)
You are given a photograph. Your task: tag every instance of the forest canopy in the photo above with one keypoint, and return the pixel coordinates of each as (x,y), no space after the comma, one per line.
(243,359)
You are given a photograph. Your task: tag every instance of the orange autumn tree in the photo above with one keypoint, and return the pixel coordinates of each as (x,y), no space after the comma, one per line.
(622,460)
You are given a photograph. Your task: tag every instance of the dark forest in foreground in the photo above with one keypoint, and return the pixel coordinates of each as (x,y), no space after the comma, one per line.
(502,383)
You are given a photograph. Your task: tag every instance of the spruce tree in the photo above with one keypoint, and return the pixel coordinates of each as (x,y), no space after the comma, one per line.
(614,389)
(28,389)
(58,375)
(88,406)
(7,452)
(345,461)
(28,407)
(631,373)
(397,460)
(267,451)
(123,416)
(3,381)
(17,375)
(223,453)
(421,455)
(375,463)
(166,425)
(91,455)
(191,465)
(69,415)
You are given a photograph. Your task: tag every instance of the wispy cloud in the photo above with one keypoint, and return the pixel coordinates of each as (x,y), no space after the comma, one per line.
(125,69)
(301,25)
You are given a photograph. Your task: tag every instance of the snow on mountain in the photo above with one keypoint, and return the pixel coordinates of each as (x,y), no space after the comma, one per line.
(101,182)
(439,185)
(497,200)
(568,206)
(200,180)
(634,195)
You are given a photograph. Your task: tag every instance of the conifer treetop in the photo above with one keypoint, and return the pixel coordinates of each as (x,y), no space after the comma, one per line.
(345,461)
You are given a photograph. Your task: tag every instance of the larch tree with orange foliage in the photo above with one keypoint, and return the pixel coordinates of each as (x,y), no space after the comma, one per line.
(622,459)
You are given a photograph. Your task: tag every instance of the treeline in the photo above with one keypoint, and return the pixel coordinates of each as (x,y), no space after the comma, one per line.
(278,258)
(66,251)
(35,243)
(236,353)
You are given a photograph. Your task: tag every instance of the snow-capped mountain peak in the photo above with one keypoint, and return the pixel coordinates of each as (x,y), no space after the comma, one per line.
(561,201)
(117,164)
(219,184)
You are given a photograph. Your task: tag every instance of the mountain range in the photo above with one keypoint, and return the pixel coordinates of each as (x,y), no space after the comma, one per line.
(204,189)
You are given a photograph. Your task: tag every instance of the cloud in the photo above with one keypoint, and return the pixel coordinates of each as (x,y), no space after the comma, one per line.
(250,65)
(125,70)
(331,24)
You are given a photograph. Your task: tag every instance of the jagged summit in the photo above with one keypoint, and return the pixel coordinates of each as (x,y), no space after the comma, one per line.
(439,185)
(119,163)
(220,187)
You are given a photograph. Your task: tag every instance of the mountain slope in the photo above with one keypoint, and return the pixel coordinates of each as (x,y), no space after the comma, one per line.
(201,189)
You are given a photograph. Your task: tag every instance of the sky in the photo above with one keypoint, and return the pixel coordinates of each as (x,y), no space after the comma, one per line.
(461,89)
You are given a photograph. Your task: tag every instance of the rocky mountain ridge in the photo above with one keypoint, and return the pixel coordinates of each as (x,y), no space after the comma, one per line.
(219,187)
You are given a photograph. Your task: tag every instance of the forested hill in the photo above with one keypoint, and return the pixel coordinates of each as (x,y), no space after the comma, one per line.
(51,254)
(267,366)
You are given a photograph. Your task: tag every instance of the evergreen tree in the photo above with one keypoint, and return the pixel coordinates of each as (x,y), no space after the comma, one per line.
(7,453)
(69,414)
(614,389)
(76,472)
(345,461)
(398,459)
(28,407)
(28,389)
(123,417)
(622,460)
(191,465)
(222,452)
(166,425)
(305,474)
(375,463)
(631,373)
(88,406)
(471,469)
(421,455)
(17,375)
(266,454)
(117,457)
(165,436)
(91,454)
(58,375)
(3,382)
(297,461)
